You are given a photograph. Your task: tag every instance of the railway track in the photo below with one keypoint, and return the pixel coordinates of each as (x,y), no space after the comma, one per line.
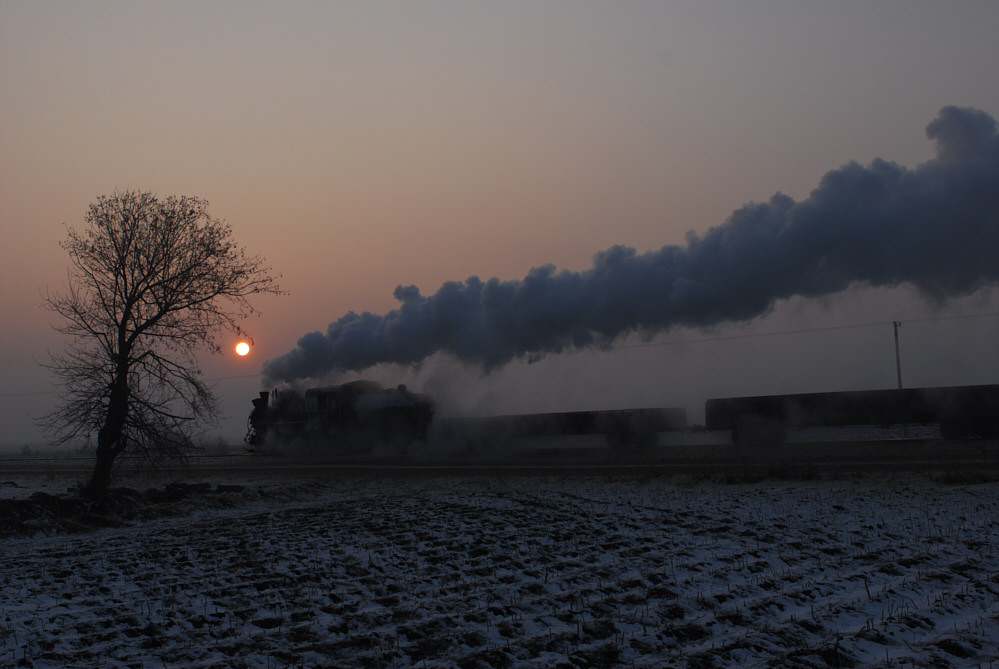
(789,460)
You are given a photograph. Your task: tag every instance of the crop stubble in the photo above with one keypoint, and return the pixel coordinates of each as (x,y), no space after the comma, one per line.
(525,572)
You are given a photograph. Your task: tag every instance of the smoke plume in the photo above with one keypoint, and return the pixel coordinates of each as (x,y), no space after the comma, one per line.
(935,226)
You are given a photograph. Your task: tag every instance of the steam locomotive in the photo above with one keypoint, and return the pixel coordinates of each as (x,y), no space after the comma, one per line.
(359,416)
(354,417)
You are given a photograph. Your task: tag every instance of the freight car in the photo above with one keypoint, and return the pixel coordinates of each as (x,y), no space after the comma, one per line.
(626,427)
(960,411)
(351,418)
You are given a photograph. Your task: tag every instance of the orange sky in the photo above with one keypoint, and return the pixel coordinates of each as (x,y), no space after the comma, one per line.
(359,146)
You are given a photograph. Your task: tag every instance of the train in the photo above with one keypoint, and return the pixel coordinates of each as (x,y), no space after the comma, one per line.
(961,412)
(362,416)
(354,417)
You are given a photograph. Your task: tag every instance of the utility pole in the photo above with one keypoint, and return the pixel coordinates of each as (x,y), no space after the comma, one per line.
(898,359)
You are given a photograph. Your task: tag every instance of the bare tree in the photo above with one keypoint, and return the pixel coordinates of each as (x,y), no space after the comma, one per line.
(151,283)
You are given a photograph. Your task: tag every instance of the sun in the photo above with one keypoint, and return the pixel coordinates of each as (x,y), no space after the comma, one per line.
(242,348)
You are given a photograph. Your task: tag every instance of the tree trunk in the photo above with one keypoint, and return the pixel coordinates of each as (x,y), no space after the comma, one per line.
(100,479)
(109,440)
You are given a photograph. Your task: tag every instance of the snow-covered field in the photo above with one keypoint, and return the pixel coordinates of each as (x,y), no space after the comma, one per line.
(524,572)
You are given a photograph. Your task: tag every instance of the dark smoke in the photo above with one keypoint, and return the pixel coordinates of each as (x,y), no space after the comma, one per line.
(935,227)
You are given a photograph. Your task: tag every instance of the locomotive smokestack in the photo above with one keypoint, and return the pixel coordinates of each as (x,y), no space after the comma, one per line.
(935,226)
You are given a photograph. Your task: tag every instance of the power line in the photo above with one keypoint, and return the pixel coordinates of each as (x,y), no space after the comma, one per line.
(781,333)
(683,342)
(212,380)
(232,378)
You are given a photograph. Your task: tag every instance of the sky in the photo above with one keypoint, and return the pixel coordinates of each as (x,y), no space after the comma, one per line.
(363,146)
